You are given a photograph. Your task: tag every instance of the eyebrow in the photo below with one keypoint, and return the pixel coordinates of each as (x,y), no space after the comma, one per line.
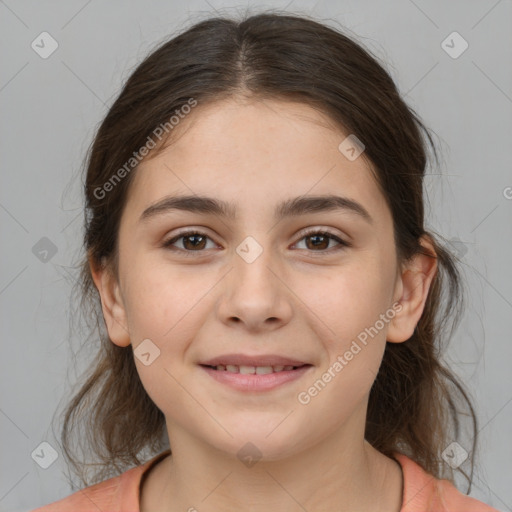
(301,205)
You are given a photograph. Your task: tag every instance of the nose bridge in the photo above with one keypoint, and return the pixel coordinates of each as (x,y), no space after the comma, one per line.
(252,263)
(255,294)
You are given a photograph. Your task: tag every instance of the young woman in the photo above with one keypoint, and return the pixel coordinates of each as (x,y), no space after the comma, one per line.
(272,309)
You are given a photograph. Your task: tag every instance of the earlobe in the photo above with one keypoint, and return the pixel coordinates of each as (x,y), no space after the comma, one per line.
(112,305)
(413,286)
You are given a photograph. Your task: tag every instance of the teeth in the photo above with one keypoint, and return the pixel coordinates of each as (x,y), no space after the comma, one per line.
(262,370)
(250,370)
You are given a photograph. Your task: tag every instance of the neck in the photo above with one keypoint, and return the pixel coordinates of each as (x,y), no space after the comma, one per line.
(331,475)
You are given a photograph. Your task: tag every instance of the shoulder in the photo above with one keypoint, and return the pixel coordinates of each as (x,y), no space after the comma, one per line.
(120,493)
(424,493)
(101,496)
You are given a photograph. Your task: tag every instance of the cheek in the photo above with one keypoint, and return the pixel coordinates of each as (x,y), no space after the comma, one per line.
(167,306)
(162,300)
(347,300)
(351,318)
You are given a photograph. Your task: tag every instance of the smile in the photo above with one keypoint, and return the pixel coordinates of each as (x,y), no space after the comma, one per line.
(249,370)
(255,378)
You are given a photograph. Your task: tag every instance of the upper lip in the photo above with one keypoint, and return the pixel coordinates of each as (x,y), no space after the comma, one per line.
(246,360)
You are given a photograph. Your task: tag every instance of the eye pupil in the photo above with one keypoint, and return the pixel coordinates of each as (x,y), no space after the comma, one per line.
(316,237)
(196,244)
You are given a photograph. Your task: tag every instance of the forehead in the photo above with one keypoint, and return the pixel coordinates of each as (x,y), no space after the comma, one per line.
(254,153)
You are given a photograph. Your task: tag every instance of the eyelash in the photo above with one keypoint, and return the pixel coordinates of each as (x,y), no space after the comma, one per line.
(342,243)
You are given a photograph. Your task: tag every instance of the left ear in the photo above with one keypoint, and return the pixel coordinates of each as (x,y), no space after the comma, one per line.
(411,291)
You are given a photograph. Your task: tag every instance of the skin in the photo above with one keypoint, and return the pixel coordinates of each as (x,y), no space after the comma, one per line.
(294,299)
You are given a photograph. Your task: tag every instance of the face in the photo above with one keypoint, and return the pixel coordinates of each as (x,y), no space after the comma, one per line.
(197,285)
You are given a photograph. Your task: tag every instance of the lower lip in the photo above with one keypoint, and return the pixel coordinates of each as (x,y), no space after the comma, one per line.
(255,382)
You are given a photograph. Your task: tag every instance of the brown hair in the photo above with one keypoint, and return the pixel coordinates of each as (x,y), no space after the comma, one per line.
(413,404)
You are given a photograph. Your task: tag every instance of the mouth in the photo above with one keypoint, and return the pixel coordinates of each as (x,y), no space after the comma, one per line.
(255,379)
(254,370)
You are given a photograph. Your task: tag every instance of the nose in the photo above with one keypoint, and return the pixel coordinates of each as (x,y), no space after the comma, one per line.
(255,294)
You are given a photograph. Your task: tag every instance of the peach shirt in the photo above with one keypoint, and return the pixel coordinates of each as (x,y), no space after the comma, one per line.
(422,493)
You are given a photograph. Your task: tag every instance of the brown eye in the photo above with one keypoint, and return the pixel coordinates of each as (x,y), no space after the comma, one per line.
(192,241)
(319,241)
(195,241)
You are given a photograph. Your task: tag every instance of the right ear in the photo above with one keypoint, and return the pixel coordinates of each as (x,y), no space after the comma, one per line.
(114,311)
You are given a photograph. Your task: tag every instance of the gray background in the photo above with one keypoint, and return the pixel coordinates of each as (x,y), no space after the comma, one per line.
(51,107)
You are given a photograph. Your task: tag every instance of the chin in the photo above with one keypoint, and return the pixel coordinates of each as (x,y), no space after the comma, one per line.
(261,440)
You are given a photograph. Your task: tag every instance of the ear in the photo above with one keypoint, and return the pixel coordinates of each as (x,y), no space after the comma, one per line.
(411,291)
(112,304)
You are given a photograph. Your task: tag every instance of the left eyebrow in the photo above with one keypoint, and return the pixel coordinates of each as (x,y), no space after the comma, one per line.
(301,205)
